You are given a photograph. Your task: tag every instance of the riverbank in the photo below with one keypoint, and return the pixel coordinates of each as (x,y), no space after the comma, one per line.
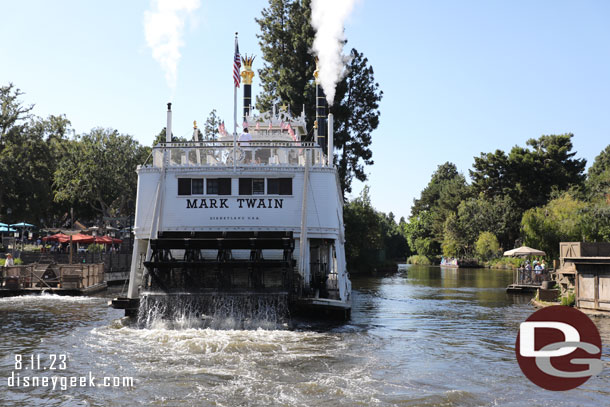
(592,313)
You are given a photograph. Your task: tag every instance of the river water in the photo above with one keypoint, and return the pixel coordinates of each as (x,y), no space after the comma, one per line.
(425,337)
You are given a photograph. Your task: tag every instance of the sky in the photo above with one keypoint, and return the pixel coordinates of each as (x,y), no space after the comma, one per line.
(459,77)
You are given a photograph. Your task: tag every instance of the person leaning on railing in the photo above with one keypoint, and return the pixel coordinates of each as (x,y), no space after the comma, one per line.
(8,262)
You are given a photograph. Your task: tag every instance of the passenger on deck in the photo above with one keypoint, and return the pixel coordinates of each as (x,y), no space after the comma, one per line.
(244,139)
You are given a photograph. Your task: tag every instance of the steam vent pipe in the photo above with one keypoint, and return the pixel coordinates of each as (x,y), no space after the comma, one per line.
(168,128)
(321,112)
(247,74)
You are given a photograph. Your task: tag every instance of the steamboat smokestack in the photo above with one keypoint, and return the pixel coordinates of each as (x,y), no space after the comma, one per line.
(321,112)
(168,128)
(331,147)
(247,74)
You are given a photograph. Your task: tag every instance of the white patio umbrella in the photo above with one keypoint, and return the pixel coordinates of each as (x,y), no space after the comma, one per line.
(524,251)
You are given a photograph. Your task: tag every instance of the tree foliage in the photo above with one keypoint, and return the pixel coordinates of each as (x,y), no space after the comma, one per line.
(560,220)
(210,130)
(487,245)
(437,203)
(286,40)
(13,111)
(372,237)
(529,175)
(98,170)
(29,150)
(598,178)
(356,111)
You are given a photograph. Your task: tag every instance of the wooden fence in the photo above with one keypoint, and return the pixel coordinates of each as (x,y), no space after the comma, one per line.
(75,276)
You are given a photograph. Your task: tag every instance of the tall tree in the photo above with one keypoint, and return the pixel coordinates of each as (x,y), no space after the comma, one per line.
(12,110)
(438,202)
(29,147)
(286,40)
(210,130)
(356,111)
(560,220)
(529,174)
(598,178)
(98,170)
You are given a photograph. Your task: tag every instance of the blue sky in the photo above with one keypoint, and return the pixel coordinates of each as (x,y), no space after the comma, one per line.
(459,78)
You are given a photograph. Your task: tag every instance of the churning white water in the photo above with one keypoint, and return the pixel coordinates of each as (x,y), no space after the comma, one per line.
(217,311)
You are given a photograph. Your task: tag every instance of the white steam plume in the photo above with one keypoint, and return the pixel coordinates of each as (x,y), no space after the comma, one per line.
(328,17)
(163,27)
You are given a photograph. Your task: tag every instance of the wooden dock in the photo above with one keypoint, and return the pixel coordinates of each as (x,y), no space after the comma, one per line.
(60,279)
(522,288)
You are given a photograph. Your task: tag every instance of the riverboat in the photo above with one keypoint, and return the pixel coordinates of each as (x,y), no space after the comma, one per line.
(256,218)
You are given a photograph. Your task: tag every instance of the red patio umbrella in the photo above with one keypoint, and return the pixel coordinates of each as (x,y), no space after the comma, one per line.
(80,238)
(103,239)
(58,237)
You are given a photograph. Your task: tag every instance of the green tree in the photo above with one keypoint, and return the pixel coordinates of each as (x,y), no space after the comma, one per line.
(395,246)
(363,232)
(487,246)
(453,244)
(25,174)
(529,175)
(356,111)
(98,171)
(13,111)
(499,215)
(438,201)
(420,235)
(560,220)
(286,40)
(598,178)
(210,129)
(29,149)
(492,174)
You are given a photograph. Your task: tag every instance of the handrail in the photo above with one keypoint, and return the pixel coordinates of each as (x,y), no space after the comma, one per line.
(225,144)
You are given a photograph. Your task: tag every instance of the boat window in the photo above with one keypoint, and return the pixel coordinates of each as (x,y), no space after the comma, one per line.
(252,186)
(184,186)
(224,186)
(218,186)
(273,186)
(212,185)
(285,186)
(197,186)
(279,186)
(245,186)
(258,186)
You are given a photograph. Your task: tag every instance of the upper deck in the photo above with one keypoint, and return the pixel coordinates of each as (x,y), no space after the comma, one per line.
(243,154)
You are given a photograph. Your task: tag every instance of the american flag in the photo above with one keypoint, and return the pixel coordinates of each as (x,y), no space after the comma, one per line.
(236,65)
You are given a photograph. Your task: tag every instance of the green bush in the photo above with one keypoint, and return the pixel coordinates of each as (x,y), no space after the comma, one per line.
(505,263)
(419,259)
(487,245)
(95,248)
(568,300)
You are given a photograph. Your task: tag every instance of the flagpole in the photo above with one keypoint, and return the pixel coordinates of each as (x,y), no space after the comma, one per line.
(235,118)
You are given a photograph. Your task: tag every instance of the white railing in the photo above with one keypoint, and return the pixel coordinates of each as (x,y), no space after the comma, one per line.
(250,153)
